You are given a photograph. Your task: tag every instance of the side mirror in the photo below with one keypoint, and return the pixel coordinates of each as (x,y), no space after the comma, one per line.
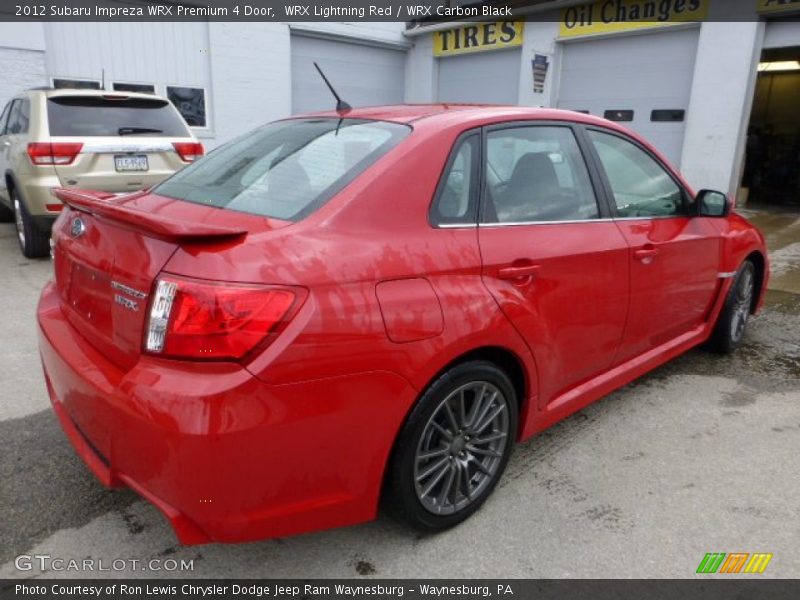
(711,203)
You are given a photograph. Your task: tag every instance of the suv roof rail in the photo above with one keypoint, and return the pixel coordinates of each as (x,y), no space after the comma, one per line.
(41,88)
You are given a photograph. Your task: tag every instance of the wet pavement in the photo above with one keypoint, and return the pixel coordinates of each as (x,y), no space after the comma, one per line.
(781,227)
(698,456)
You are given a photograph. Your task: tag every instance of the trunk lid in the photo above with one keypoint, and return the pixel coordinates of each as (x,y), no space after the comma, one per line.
(109,250)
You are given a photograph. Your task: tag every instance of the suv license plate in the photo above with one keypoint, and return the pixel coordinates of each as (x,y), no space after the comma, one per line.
(131,163)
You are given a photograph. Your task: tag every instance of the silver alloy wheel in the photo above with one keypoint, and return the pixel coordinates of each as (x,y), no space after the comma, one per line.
(19,222)
(461,447)
(742,304)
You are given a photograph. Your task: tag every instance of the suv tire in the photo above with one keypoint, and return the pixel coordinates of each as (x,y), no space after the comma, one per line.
(33,242)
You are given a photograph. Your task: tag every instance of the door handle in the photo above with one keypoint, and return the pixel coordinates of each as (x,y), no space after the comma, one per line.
(646,254)
(517,271)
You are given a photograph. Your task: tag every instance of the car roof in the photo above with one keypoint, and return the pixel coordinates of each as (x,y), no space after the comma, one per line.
(409,113)
(55,92)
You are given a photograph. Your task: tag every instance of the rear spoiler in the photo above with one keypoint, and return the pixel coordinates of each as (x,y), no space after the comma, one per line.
(100,204)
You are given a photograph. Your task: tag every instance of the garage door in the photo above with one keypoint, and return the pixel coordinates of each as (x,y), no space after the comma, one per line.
(639,73)
(485,77)
(362,75)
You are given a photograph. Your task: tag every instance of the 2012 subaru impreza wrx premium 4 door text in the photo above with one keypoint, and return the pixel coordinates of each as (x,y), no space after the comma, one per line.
(341,309)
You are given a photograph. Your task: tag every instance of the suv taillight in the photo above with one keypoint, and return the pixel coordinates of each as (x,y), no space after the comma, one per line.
(200,319)
(189,151)
(44,153)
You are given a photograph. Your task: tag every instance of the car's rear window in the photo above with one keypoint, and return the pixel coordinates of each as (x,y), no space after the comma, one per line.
(285,170)
(98,116)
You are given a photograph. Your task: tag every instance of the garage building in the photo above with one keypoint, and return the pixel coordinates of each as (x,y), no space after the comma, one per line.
(224,77)
(689,84)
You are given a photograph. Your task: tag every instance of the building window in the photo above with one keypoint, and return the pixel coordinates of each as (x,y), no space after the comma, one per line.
(76,84)
(668,115)
(190,102)
(619,115)
(142,88)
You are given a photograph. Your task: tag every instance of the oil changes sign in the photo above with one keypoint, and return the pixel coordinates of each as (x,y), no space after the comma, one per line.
(478,37)
(768,6)
(612,16)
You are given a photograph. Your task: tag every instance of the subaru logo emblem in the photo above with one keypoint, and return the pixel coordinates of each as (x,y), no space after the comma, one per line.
(78,227)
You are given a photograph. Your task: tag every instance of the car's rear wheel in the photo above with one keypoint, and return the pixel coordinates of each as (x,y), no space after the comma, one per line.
(454,446)
(729,330)
(33,242)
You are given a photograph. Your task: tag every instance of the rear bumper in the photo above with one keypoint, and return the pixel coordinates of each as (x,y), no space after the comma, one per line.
(35,192)
(224,456)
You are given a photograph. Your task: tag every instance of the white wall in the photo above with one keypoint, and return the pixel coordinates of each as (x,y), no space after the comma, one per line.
(159,53)
(539,38)
(780,34)
(382,33)
(20,70)
(422,70)
(22,59)
(25,36)
(251,69)
(719,108)
(251,75)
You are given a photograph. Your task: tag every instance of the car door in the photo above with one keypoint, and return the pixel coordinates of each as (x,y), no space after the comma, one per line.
(674,256)
(5,143)
(556,265)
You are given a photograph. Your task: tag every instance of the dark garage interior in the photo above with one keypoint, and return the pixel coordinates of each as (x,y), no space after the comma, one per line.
(772,159)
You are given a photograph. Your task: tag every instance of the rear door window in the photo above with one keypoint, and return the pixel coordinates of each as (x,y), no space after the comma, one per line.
(457,196)
(536,174)
(14,123)
(88,116)
(285,170)
(24,116)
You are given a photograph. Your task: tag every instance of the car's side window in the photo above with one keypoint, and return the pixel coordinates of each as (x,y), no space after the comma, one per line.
(24,117)
(536,174)
(13,119)
(641,186)
(4,117)
(457,195)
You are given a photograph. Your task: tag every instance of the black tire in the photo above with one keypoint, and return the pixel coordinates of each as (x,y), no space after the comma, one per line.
(470,387)
(32,242)
(730,327)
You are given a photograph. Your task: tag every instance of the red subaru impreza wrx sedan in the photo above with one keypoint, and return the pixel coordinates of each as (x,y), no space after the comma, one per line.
(337,309)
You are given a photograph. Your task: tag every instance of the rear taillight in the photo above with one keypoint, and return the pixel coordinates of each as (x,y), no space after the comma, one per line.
(43,153)
(189,151)
(199,319)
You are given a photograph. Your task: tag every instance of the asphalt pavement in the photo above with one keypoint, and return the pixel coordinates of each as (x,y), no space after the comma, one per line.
(699,456)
